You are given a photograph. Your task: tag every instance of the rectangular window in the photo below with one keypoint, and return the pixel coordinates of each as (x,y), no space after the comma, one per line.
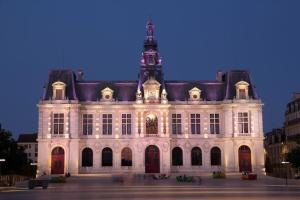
(58,123)
(214,123)
(195,124)
(87,124)
(58,94)
(107,124)
(126,124)
(242,93)
(176,124)
(243,122)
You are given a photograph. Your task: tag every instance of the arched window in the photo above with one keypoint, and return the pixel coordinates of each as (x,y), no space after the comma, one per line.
(177,156)
(107,157)
(126,157)
(215,156)
(87,157)
(196,156)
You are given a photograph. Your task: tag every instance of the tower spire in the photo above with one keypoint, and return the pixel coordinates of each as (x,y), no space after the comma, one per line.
(150,30)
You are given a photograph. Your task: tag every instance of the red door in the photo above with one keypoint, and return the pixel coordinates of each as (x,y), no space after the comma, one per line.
(245,159)
(152,159)
(57,161)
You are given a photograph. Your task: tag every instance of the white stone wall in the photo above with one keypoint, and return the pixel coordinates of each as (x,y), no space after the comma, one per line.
(73,142)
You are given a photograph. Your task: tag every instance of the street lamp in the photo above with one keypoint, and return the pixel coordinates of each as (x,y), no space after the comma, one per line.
(1,161)
(286,174)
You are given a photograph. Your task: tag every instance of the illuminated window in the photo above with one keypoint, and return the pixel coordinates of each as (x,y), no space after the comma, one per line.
(214,123)
(58,123)
(107,124)
(195,123)
(58,90)
(176,124)
(243,122)
(87,124)
(242,90)
(151,124)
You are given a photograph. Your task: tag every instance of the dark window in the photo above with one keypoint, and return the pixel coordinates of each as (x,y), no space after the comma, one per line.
(214,123)
(195,124)
(87,157)
(107,124)
(215,156)
(176,124)
(58,94)
(126,157)
(107,157)
(87,124)
(242,93)
(126,124)
(177,156)
(196,156)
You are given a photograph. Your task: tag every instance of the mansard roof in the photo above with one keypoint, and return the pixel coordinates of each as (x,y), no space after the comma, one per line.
(86,91)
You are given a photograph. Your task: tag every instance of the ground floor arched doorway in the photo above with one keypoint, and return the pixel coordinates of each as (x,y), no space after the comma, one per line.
(152,159)
(57,161)
(245,159)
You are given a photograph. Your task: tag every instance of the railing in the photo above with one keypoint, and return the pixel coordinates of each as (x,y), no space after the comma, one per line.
(10,180)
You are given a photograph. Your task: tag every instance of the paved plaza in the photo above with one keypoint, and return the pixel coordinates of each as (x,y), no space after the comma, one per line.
(102,187)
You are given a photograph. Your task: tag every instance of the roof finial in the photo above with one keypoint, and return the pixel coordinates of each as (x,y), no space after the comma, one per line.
(150,30)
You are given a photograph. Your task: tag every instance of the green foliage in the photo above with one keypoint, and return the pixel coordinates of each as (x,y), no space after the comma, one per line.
(58,179)
(294,157)
(15,159)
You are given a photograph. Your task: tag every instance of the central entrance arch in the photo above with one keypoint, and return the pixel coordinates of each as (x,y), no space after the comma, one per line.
(245,159)
(57,161)
(152,159)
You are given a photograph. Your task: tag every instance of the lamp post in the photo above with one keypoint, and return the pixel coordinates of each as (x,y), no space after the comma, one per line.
(1,161)
(286,173)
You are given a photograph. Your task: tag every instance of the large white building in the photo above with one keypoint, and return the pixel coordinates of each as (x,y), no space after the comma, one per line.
(150,125)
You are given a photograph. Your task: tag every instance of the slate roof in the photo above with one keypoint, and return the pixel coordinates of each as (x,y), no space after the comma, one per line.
(86,91)
(27,138)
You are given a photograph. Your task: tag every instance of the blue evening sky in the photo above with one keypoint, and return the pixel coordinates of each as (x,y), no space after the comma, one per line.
(104,38)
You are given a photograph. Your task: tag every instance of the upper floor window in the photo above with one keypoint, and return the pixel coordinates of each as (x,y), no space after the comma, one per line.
(242,90)
(195,123)
(58,90)
(107,124)
(58,123)
(87,124)
(243,122)
(107,94)
(176,123)
(195,94)
(214,123)
(151,124)
(126,124)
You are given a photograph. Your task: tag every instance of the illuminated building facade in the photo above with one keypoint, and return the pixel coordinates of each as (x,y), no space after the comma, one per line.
(149,125)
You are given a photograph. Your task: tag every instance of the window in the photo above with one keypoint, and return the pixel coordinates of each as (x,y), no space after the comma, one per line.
(26,146)
(214,123)
(87,157)
(195,123)
(196,156)
(107,157)
(177,156)
(176,123)
(242,94)
(87,124)
(36,154)
(215,156)
(126,157)
(29,146)
(126,124)
(59,94)
(107,124)
(151,124)
(243,122)
(58,123)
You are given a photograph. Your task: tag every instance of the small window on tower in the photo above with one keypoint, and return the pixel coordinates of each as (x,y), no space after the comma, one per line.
(59,94)
(151,60)
(59,89)
(242,94)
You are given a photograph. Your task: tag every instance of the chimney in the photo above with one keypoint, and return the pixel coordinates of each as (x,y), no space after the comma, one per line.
(219,75)
(80,74)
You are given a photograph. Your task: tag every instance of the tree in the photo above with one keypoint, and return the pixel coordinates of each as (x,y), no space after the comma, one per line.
(294,155)
(15,158)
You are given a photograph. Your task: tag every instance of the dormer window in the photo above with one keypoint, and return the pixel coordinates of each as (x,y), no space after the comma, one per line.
(59,89)
(107,94)
(151,90)
(242,90)
(195,94)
